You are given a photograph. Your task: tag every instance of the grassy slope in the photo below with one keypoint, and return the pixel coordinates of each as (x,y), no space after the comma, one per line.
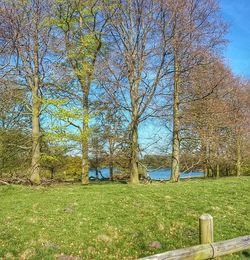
(118,221)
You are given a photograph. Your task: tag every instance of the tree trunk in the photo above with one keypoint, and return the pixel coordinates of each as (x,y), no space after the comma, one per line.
(210,172)
(238,157)
(134,145)
(36,147)
(52,171)
(111,172)
(175,165)
(134,160)
(85,140)
(36,107)
(205,172)
(111,160)
(217,171)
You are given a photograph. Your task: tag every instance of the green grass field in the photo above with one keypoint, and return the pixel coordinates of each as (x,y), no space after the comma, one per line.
(118,221)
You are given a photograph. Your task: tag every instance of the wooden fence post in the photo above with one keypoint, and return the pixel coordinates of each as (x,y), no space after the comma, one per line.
(208,249)
(206,229)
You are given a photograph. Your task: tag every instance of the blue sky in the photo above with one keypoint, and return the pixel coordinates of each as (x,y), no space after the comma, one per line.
(237,54)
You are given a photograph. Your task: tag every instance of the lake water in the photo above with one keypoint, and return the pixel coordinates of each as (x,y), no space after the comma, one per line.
(162,174)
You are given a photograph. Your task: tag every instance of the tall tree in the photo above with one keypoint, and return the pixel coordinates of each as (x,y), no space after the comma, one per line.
(196,30)
(82,24)
(134,66)
(238,103)
(29,37)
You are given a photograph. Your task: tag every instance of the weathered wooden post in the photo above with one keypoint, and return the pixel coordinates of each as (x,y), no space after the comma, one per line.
(208,249)
(206,229)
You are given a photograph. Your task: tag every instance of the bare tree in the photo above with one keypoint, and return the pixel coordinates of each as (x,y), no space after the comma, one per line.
(238,103)
(28,66)
(134,66)
(196,30)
